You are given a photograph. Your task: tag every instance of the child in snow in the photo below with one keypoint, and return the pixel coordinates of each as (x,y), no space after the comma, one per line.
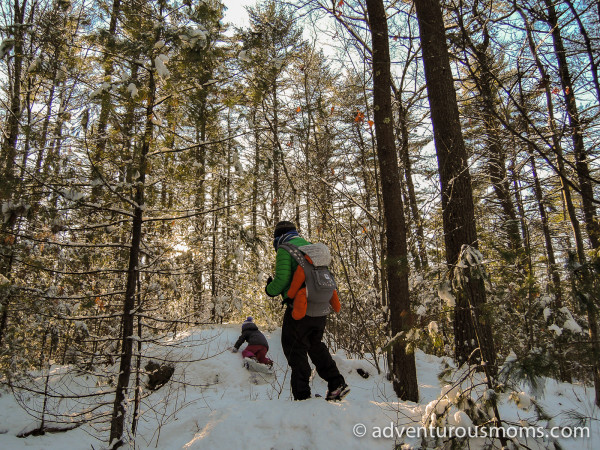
(257,343)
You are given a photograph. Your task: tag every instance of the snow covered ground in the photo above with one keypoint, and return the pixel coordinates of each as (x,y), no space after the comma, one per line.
(212,402)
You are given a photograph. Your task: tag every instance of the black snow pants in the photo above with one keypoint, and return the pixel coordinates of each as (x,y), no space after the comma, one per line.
(301,339)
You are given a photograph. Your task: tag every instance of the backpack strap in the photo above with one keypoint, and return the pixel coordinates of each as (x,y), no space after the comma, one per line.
(295,253)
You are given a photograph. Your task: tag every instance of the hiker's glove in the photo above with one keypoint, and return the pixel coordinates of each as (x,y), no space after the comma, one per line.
(234,350)
(268,281)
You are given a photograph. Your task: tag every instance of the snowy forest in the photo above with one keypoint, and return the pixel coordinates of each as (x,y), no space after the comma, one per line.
(446,152)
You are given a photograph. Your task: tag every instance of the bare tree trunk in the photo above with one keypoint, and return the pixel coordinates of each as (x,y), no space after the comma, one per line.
(27,142)
(11,135)
(556,146)
(496,164)
(517,189)
(552,267)
(412,197)
(117,425)
(8,155)
(581,158)
(308,191)
(138,364)
(592,316)
(307,154)
(563,365)
(50,166)
(53,341)
(199,202)
(588,47)
(227,222)
(213,263)
(44,136)
(583,173)
(471,325)
(277,200)
(105,102)
(403,364)
(57,68)
(541,203)
(255,179)
(373,230)
(411,241)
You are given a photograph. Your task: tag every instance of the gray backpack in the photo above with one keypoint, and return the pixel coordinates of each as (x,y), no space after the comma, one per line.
(319,281)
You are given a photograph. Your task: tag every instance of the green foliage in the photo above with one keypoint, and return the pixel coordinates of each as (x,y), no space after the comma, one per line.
(530,369)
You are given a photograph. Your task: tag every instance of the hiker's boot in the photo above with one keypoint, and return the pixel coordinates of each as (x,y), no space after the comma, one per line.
(338,393)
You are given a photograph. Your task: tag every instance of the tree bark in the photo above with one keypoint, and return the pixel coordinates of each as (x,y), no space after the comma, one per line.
(256,171)
(118,416)
(372,231)
(541,203)
(497,157)
(199,201)
(588,47)
(585,185)
(403,364)
(8,155)
(581,158)
(556,146)
(105,101)
(44,135)
(307,152)
(9,145)
(412,197)
(458,212)
(277,201)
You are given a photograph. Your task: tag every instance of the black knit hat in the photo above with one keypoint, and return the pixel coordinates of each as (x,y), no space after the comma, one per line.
(283,227)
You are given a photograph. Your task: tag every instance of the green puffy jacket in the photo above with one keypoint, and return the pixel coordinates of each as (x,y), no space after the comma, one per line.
(285,266)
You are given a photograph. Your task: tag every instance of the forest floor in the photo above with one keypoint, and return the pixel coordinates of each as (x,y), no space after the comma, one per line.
(212,402)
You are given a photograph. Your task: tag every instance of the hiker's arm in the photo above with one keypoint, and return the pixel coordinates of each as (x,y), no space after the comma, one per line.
(239,342)
(283,273)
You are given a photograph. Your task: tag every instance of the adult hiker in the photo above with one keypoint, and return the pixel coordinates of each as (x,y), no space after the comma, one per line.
(303,337)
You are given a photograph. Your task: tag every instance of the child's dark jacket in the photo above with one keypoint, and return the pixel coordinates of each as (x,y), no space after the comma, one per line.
(251,335)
